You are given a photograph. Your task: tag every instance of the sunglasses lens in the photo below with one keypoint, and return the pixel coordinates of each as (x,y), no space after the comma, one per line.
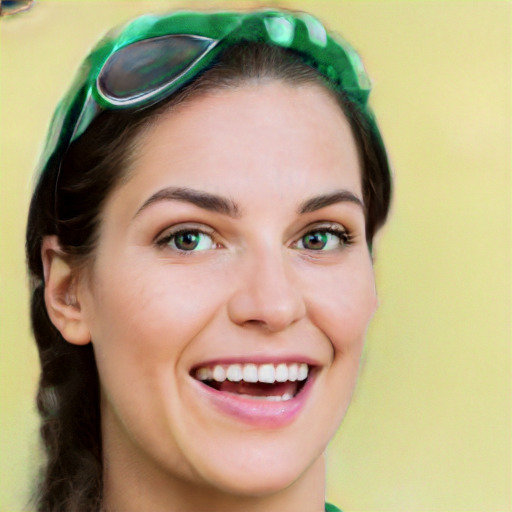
(145,67)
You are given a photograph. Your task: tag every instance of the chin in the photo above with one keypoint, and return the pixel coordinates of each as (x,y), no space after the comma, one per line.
(256,484)
(262,471)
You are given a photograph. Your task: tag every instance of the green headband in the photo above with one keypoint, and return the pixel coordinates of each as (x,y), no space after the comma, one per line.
(151,57)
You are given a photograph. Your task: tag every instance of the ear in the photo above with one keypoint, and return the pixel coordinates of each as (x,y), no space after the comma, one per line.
(61,294)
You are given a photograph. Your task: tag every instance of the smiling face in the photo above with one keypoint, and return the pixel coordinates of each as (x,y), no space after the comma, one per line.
(233,256)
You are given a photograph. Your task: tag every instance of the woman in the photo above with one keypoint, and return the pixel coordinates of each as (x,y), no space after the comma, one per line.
(199,244)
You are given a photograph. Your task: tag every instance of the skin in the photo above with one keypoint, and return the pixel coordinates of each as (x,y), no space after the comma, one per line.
(153,312)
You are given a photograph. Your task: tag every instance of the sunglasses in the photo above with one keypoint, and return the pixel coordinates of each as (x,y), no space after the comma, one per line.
(153,56)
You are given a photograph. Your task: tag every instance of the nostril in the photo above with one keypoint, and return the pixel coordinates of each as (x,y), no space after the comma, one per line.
(255,323)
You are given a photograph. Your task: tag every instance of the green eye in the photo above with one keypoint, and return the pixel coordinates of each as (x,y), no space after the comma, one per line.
(323,240)
(189,241)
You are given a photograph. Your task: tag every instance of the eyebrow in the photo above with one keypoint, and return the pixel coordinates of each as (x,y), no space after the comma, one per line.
(205,200)
(321,201)
(225,206)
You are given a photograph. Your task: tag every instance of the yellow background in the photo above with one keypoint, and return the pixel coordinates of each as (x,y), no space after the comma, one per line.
(430,425)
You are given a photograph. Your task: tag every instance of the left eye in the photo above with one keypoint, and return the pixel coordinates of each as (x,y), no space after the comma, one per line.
(189,241)
(323,240)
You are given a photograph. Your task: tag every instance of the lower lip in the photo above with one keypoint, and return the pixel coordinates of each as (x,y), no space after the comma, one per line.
(258,412)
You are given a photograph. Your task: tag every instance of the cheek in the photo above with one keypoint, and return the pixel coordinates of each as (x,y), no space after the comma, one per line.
(143,319)
(155,305)
(343,303)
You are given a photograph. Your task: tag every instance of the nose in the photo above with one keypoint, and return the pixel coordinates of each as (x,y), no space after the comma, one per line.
(267,295)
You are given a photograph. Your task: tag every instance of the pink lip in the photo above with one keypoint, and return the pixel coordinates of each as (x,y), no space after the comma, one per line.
(258,413)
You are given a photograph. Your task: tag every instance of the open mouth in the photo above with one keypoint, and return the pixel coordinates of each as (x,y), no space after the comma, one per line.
(270,382)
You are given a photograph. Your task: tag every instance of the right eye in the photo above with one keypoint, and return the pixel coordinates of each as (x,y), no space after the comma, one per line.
(188,240)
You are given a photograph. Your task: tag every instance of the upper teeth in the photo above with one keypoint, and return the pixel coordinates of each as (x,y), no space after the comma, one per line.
(267,373)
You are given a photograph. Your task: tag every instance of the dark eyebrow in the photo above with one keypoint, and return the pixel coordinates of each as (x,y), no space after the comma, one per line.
(338,196)
(211,202)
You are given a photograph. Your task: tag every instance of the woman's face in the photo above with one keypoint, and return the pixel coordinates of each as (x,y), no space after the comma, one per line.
(237,246)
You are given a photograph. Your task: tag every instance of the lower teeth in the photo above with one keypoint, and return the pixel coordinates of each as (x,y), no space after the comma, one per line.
(270,398)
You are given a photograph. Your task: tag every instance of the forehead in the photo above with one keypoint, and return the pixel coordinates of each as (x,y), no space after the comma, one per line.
(273,138)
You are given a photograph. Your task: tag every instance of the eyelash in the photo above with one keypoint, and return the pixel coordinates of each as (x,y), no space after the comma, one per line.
(179,230)
(346,238)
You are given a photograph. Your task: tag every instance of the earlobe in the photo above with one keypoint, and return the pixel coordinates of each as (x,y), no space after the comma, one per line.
(61,294)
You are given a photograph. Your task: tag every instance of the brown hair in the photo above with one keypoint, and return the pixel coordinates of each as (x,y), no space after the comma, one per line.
(68,395)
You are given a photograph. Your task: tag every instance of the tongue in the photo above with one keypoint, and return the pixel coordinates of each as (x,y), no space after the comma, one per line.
(258,388)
